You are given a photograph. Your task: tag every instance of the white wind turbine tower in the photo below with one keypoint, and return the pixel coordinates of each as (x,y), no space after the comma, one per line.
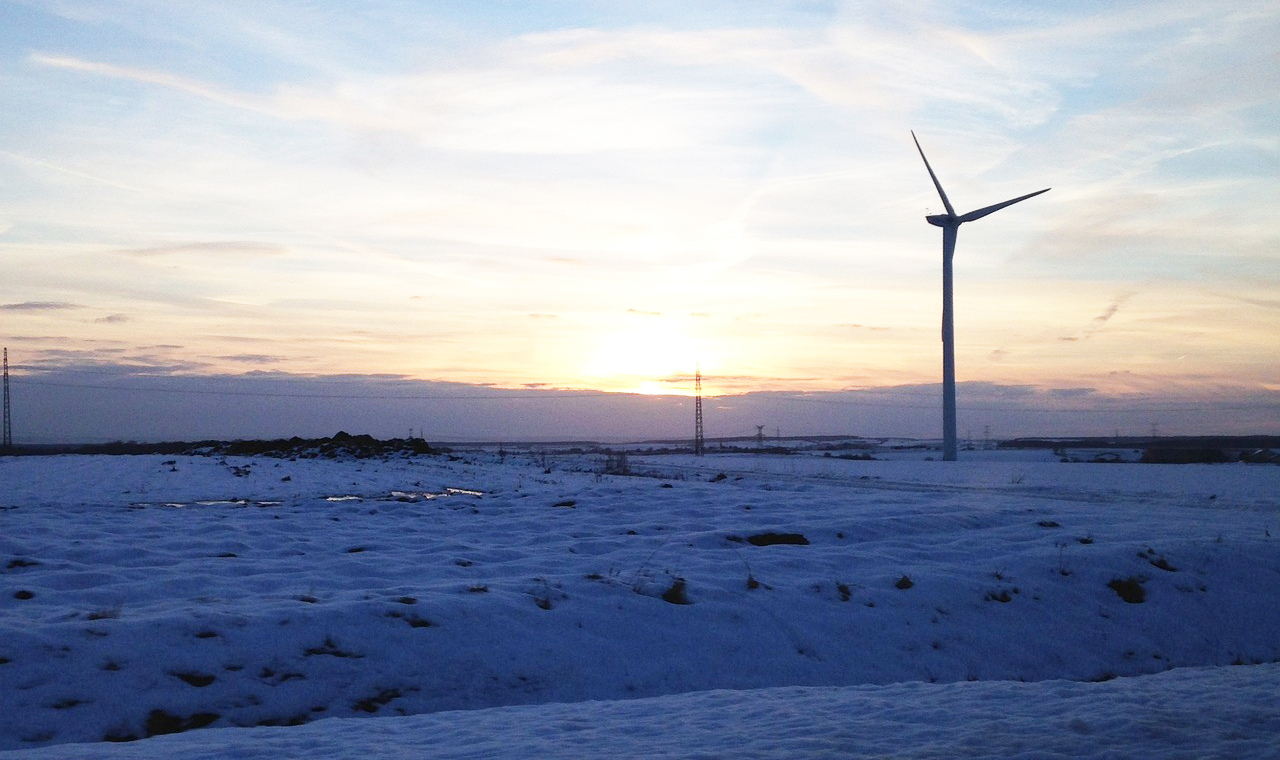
(950,222)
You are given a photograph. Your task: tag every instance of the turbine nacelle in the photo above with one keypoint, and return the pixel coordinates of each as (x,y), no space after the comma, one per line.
(940,220)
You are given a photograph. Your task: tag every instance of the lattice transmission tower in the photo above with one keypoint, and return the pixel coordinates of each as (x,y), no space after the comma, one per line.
(697,412)
(8,419)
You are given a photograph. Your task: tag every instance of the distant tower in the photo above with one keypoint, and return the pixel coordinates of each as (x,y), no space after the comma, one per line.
(8,420)
(759,436)
(697,412)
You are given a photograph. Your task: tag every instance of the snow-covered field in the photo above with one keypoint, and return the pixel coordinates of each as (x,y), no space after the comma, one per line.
(724,606)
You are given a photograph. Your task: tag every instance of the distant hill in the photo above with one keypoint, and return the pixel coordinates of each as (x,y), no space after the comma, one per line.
(340,444)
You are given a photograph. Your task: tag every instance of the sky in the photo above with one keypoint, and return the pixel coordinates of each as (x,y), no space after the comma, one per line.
(579,195)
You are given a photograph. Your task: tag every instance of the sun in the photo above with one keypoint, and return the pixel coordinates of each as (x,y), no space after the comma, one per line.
(650,359)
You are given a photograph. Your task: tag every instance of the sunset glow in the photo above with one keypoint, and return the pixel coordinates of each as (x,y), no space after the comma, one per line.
(590,195)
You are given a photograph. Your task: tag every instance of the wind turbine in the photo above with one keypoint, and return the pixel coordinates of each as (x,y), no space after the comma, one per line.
(950,223)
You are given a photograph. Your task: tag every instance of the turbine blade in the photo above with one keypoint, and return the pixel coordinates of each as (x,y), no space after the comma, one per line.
(934,177)
(972,215)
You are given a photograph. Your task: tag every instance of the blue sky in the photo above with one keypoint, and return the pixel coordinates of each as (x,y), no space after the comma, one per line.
(598,195)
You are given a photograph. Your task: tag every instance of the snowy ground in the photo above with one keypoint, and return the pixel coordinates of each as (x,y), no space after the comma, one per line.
(725,606)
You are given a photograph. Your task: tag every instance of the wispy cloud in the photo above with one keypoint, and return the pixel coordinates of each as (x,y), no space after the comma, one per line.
(67,170)
(855,326)
(507,106)
(146,76)
(211,248)
(38,306)
(253,358)
(1099,322)
(1262,303)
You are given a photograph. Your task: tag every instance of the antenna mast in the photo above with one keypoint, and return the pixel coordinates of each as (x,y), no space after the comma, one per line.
(8,420)
(697,411)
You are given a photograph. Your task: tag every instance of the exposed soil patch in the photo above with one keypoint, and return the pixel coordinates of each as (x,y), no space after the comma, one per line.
(198,680)
(160,722)
(676,594)
(1129,589)
(773,539)
(375,703)
(330,649)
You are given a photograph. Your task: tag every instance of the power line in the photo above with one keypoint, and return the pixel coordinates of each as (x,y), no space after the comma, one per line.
(1204,407)
(552,395)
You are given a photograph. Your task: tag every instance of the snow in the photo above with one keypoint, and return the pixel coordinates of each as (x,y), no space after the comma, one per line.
(729,605)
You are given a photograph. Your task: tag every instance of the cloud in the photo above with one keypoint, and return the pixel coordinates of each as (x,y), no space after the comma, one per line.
(39,306)
(1262,303)
(505,102)
(112,319)
(643,88)
(61,169)
(254,358)
(146,76)
(1071,392)
(212,248)
(1099,322)
(108,360)
(1110,312)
